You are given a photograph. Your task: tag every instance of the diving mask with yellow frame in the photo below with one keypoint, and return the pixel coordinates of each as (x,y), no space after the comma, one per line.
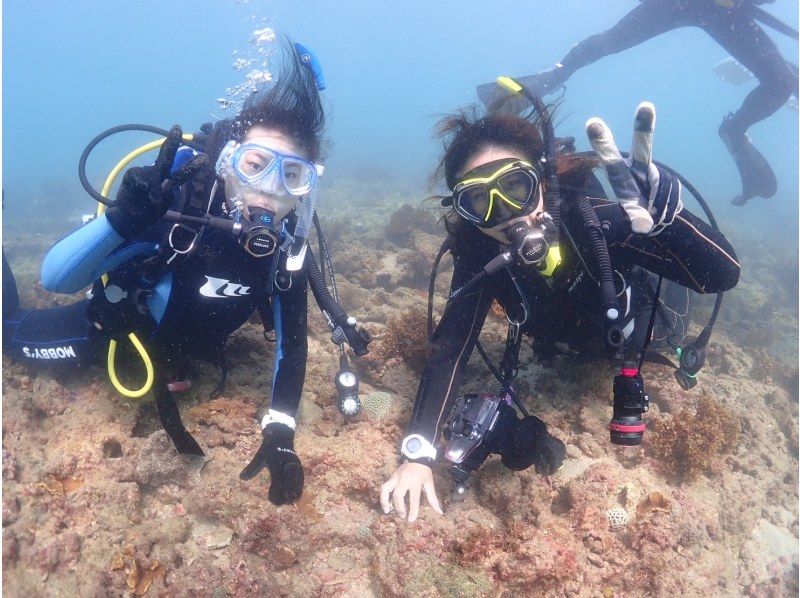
(496,192)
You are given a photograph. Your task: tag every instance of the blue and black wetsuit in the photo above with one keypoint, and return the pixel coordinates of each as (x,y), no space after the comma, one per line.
(187,309)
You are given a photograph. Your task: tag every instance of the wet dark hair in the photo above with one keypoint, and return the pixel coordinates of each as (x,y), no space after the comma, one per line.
(291,104)
(468,131)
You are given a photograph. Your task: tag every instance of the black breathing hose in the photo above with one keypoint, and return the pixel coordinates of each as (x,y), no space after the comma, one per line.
(553,205)
(602,260)
(108,133)
(321,293)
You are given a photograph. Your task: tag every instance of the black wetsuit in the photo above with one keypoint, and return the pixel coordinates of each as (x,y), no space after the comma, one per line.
(565,312)
(734,28)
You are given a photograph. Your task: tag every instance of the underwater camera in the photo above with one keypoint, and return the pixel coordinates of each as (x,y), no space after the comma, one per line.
(630,401)
(470,434)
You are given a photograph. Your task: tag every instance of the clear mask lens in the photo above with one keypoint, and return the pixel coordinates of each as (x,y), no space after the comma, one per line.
(254,163)
(262,168)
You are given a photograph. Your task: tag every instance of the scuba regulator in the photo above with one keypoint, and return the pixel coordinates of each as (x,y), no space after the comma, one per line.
(258,236)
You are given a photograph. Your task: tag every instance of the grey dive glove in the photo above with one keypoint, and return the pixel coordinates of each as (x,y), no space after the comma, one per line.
(650,196)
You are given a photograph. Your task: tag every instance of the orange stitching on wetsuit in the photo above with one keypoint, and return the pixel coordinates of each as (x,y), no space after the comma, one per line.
(658,257)
(721,250)
(680,263)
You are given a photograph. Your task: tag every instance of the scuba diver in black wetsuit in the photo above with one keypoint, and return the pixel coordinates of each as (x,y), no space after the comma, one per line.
(190,249)
(731,23)
(575,273)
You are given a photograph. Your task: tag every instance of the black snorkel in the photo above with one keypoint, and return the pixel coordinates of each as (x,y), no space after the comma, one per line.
(552,196)
(552,201)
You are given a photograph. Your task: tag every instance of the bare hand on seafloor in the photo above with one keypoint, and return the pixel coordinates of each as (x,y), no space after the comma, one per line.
(411,479)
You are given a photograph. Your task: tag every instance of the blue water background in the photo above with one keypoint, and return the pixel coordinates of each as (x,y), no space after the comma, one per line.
(72,69)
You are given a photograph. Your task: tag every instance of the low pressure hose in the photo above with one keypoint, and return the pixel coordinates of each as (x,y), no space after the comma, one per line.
(600,253)
(321,293)
(103,200)
(148,365)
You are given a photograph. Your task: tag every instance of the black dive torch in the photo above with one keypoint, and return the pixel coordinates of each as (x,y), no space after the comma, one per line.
(630,401)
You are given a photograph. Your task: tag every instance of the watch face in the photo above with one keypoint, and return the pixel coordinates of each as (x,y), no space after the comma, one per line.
(413,445)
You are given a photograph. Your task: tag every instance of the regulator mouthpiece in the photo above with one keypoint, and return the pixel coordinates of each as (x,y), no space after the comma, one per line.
(260,239)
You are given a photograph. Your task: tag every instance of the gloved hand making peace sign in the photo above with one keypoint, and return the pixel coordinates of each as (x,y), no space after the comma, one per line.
(146,192)
(650,196)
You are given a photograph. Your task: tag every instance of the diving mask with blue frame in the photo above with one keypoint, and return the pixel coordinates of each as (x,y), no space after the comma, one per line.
(496,192)
(264,170)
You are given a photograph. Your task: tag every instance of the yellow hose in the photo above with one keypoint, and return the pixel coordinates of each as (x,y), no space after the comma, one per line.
(148,365)
(112,345)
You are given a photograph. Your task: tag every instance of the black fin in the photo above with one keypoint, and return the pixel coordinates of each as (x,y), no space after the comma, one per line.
(758,179)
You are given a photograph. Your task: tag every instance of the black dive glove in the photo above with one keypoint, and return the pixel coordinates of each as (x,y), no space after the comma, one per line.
(146,192)
(529,443)
(277,454)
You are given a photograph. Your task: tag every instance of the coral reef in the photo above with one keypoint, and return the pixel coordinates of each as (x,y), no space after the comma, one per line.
(617,518)
(406,337)
(377,403)
(406,220)
(692,442)
(96,502)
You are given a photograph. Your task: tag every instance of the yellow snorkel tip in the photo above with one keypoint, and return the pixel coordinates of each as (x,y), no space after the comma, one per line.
(509,84)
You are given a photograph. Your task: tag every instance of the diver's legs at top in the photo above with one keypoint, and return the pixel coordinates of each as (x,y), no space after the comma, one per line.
(749,44)
(645,21)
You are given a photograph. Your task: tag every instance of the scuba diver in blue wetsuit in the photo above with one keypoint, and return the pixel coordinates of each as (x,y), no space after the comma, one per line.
(194,245)
(576,268)
(733,24)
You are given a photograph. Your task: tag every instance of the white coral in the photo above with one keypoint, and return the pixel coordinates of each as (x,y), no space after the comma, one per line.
(617,517)
(377,403)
